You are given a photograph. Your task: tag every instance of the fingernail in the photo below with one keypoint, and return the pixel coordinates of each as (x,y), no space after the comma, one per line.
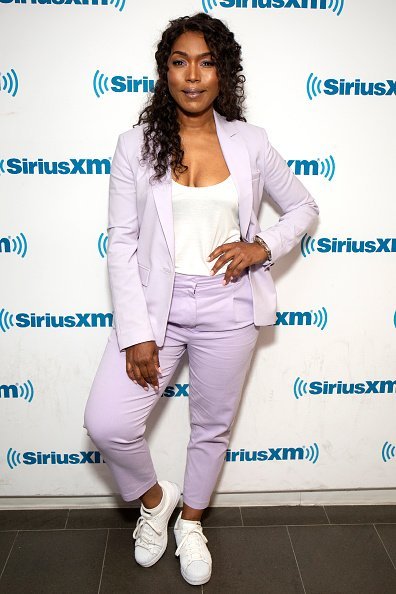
(146,388)
(134,381)
(208,259)
(211,272)
(156,388)
(159,369)
(224,282)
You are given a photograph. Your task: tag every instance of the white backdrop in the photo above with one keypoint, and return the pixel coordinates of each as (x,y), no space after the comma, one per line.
(60,102)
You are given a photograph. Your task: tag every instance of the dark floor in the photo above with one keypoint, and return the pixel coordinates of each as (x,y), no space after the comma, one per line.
(312,549)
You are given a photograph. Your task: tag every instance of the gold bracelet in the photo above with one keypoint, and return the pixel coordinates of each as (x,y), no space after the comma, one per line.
(261,242)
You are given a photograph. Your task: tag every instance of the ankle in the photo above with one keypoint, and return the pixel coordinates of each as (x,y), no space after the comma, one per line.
(153,497)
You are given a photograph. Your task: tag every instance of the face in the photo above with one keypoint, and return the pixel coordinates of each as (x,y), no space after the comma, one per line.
(192,73)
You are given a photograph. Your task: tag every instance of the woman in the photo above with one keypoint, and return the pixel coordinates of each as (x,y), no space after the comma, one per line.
(189,269)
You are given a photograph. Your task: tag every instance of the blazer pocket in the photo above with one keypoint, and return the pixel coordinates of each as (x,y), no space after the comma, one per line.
(144,273)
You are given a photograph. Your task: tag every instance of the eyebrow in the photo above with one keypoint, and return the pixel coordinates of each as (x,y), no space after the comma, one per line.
(185,54)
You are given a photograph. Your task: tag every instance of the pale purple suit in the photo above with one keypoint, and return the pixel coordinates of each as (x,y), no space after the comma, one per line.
(141,238)
(217,325)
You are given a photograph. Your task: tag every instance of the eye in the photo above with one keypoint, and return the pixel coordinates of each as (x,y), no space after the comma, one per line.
(209,63)
(176,62)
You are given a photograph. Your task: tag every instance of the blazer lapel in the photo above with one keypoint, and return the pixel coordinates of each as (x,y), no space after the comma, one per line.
(237,158)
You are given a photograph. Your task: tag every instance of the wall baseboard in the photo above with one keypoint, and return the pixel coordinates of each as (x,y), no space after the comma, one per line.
(340,497)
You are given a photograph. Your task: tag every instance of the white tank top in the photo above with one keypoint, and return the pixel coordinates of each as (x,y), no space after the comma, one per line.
(203,218)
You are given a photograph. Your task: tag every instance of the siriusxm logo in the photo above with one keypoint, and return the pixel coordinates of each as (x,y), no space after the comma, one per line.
(15,458)
(326,245)
(15,391)
(32,320)
(340,86)
(9,81)
(102,244)
(310,453)
(176,391)
(302,388)
(325,167)
(121,84)
(302,318)
(14,245)
(24,166)
(335,6)
(118,4)
(388,451)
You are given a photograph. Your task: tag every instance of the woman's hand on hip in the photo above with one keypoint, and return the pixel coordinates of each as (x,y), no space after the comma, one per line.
(142,364)
(240,254)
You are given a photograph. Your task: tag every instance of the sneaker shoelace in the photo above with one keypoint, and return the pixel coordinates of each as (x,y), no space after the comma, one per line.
(142,532)
(192,541)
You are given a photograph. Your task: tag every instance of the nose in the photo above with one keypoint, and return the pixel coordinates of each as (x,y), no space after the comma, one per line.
(192,73)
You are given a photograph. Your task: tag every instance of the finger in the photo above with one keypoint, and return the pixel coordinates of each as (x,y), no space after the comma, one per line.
(233,270)
(156,361)
(129,370)
(221,261)
(139,375)
(150,375)
(219,250)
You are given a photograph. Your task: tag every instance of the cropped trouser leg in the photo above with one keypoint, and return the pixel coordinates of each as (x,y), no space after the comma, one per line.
(214,323)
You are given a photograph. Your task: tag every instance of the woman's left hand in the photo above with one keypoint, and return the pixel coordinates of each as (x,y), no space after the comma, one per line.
(241,254)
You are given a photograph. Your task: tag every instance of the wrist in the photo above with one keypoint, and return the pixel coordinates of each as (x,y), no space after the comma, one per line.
(267,250)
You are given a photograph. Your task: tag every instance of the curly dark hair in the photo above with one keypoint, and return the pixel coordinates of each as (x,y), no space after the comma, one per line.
(162,144)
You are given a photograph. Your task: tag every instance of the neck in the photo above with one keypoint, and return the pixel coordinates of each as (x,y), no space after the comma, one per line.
(193,123)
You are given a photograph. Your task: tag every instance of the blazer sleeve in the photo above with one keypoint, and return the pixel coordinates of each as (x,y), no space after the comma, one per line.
(298,207)
(131,317)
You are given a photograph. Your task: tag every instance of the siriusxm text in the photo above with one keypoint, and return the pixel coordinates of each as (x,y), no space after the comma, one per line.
(24,166)
(349,245)
(93,457)
(244,455)
(312,4)
(334,86)
(340,387)
(77,320)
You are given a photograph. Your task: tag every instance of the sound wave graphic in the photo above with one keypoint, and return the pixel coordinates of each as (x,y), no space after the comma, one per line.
(388,451)
(100,84)
(312,453)
(394,319)
(6,320)
(208,5)
(300,388)
(119,4)
(13,458)
(320,318)
(336,6)
(9,82)
(26,391)
(314,86)
(19,245)
(2,170)
(102,244)
(328,167)
(307,245)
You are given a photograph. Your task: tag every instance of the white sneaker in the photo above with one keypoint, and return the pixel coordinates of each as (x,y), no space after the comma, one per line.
(195,558)
(151,532)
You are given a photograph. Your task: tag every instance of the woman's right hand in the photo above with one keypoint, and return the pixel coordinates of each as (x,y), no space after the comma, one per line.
(142,364)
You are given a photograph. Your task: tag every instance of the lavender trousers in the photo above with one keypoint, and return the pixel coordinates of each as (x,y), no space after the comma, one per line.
(214,322)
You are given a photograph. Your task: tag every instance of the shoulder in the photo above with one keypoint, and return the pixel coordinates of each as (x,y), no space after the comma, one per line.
(252,134)
(250,131)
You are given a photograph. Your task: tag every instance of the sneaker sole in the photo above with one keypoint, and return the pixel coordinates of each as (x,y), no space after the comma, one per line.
(196,582)
(176,497)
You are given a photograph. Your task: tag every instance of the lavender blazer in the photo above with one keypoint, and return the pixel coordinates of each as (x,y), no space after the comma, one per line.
(140,253)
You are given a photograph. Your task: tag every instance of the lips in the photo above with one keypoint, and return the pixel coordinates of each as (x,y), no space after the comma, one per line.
(192,93)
